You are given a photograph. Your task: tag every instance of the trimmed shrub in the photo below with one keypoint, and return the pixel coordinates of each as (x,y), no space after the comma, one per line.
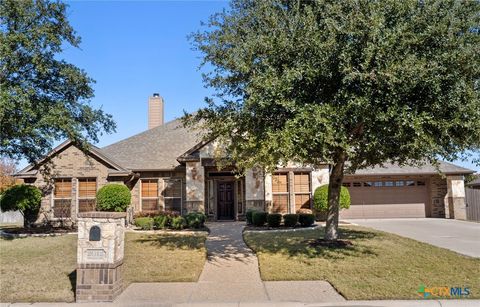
(24,198)
(195,220)
(320,199)
(259,218)
(161,221)
(290,220)
(274,219)
(145,223)
(178,223)
(113,197)
(249,216)
(306,220)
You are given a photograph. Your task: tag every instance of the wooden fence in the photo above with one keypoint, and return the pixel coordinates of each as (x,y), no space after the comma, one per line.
(472,199)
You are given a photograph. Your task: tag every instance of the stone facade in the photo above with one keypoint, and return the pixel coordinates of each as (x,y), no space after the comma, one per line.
(195,186)
(100,252)
(74,164)
(455,203)
(438,192)
(254,189)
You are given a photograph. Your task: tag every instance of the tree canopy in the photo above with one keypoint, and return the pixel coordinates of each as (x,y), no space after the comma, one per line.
(42,97)
(350,83)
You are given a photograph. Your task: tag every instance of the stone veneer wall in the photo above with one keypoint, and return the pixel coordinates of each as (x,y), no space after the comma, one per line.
(195,186)
(438,192)
(254,189)
(70,163)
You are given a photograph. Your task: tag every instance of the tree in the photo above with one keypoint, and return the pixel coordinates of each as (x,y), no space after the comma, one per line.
(42,98)
(351,83)
(24,198)
(7,169)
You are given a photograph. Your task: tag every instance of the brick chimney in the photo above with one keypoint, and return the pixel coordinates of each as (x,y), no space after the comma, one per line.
(155,111)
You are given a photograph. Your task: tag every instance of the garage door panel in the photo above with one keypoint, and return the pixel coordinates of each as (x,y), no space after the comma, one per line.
(384,211)
(386,201)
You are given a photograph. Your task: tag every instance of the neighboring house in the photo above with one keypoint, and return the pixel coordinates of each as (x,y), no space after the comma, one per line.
(168,168)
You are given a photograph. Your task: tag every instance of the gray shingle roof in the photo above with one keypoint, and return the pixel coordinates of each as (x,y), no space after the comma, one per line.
(154,149)
(426,169)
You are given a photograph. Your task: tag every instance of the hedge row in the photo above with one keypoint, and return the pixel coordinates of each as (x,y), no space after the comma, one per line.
(274,220)
(171,220)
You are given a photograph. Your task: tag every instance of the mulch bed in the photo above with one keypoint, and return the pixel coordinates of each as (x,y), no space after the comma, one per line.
(250,227)
(328,243)
(40,230)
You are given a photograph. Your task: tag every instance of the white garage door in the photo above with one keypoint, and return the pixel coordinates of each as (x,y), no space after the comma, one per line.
(386,199)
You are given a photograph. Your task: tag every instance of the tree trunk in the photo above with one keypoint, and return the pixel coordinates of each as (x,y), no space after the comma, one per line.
(334,188)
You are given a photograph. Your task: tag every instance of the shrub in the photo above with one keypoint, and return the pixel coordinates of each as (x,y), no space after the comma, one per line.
(320,198)
(178,223)
(306,219)
(195,220)
(113,197)
(161,221)
(249,216)
(274,219)
(290,220)
(145,223)
(259,218)
(24,198)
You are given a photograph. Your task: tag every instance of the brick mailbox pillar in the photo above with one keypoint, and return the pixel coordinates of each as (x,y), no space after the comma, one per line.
(101,237)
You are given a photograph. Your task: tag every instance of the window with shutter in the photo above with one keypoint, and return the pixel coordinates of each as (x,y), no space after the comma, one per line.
(62,198)
(301,184)
(172,194)
(280,193)
(87,190)
(149,194)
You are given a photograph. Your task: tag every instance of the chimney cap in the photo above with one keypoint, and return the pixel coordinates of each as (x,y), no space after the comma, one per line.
(156,95)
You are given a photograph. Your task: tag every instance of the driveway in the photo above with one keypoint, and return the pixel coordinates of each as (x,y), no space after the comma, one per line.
(459,236)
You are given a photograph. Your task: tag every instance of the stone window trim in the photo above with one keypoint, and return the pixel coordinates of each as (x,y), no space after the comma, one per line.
(54,198)
(80,198)
(161,185)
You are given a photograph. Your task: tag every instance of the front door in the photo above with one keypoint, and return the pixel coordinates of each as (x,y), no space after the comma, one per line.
(225,200)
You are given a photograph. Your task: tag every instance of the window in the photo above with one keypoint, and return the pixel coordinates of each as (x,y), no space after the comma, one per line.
(280,192)
(87,189)
(410,183)
(421,183)
(240,196)
(172,194)
(378,183)
(357,184)
(149,194)
(368,184)
(346,184)
(301,188)
(400,183)
(388,184)
(62,198)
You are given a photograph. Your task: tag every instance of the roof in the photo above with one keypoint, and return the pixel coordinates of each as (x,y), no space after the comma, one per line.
(154,149)
(32,169)
(426,169)
(474,183)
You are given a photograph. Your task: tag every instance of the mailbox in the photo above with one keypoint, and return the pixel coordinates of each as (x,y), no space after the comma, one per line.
(95,234)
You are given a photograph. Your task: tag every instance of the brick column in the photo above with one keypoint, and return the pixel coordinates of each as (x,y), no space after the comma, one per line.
(100,251)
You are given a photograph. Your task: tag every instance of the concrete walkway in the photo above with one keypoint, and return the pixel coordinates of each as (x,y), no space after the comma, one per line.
(459,236)
(230,275)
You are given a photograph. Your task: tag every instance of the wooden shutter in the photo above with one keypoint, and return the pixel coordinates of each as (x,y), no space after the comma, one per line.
(301,183)
(63,188)
(149,188)
(87,188)
(280,183)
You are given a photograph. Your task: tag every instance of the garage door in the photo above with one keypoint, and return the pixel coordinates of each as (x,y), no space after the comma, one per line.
(386,199)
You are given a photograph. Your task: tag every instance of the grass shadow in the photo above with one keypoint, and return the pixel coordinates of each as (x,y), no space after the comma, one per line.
(172,241)
(297,244)
(72,277)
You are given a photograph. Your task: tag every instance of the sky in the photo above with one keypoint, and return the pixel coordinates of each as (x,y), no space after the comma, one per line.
(136,48)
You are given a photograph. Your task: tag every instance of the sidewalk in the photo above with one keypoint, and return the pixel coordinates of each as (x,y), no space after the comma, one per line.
(231,274)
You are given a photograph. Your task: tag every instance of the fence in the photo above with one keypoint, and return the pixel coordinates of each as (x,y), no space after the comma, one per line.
(472,199)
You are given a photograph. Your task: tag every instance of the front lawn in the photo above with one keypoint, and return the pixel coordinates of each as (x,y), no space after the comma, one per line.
(379,265)
(43,269)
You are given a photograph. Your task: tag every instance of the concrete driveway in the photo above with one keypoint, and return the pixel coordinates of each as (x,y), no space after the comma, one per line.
(459,236)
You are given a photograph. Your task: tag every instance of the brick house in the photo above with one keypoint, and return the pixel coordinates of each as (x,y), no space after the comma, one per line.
(167,168)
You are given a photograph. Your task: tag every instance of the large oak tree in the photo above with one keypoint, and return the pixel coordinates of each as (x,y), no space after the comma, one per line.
(352,83)
(42,97)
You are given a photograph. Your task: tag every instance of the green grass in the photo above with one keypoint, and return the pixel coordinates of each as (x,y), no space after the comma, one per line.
(378,265)
(43,269)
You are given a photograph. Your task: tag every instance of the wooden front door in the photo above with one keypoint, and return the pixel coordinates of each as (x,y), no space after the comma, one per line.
(225,201)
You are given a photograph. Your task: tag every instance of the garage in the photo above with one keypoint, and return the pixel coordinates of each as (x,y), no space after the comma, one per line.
(392,198)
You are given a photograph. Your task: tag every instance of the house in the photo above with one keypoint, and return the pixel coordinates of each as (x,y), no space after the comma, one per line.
(168,167)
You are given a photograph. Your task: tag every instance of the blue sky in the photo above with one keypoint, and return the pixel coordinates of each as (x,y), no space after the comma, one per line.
(133,49)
